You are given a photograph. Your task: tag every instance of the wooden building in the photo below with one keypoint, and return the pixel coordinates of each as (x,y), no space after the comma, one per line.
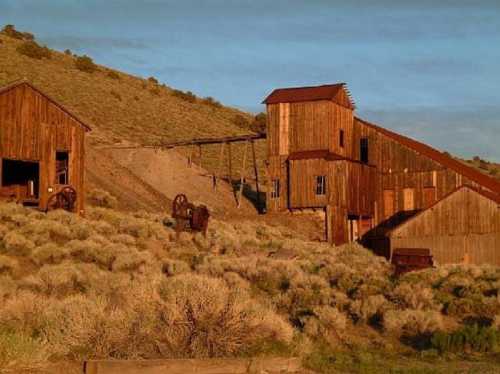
(462,227)
(368,179)
(41,147)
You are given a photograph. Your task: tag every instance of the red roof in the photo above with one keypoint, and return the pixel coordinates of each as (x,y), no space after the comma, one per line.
(298,94)
(440,157)
(21,82)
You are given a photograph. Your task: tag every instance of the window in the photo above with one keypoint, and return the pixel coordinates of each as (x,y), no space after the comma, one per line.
(363,150)
(275,192)
(321,185)
(409,199)
(341,138)
(62,169)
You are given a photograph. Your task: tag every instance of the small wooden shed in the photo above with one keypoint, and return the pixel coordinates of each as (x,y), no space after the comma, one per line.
(42,147)
(463,227)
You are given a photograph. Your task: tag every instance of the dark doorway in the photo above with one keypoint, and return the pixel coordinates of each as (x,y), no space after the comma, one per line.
(25,174)
(62,169)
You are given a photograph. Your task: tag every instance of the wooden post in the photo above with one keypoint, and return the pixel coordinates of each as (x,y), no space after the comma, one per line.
(190,159)
(230,165)
(219,170)
(256,171)
(242,174)
(199,155)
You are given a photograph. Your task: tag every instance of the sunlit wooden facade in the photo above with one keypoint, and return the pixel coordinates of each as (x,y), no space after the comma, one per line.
(368,179)
(42,145)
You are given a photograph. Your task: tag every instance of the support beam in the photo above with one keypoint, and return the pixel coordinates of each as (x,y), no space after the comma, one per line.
(229,165)
(190,158)
(242,174)
(219,169)
(199,156)
(256,171)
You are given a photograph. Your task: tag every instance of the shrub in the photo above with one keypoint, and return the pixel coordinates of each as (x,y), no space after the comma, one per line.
(7,264)
(412,322)
(259,123)
(468,338)
(131,260)
(86,64)
(33,50)
(102,198)
(186,96)
(369,309)
(11,32)
(175,267)
(204,318)
(415,297)
(60,280)
(113,75)
(49,253)
(153,80)
(211,102)
(17,245)
(19,352)
(68,52)
(326,321)
(241,121)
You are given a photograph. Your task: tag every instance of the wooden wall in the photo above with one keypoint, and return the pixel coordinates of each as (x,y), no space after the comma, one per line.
(361,185)
(400,168)
(302,174)
(277,169)
(32,128)
(464,222)
(304,126)
(397,181)
(311,125)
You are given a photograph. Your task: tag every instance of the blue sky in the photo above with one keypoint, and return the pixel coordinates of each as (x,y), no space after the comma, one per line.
(429,69)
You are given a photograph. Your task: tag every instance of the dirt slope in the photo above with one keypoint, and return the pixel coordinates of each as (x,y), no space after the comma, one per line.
(150,179)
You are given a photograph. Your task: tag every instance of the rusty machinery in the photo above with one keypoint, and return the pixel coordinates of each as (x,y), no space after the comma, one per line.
(63,197)
(189,215)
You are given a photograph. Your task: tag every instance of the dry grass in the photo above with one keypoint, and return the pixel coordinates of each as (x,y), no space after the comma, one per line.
(116,285)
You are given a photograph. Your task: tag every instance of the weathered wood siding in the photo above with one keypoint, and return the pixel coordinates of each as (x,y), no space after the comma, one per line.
(361,186)
(277,170)
(306,126)
(32,128)
(303,175)
(399,168)
(464,222)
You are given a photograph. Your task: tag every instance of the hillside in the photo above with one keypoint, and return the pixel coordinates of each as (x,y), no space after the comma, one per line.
(489,168)
(118,286)
(120,106)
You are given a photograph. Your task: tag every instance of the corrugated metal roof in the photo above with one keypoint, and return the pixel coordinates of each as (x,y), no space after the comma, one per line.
(21,82)
(298,94)
(439,157)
